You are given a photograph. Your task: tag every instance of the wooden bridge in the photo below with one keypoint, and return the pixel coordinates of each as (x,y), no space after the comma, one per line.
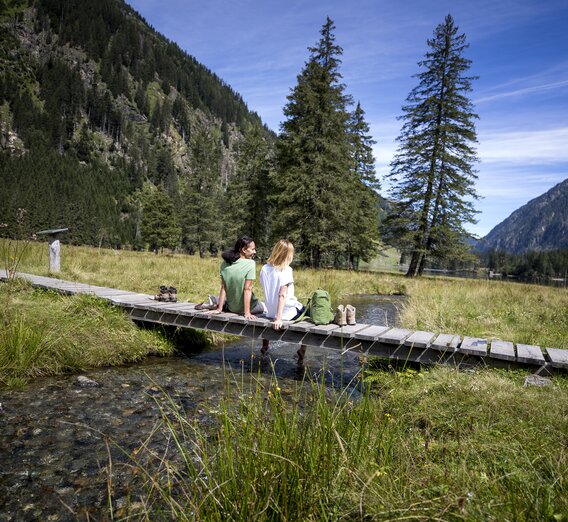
(394,343)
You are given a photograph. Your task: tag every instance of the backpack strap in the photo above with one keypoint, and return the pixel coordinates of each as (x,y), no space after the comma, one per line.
(304,313)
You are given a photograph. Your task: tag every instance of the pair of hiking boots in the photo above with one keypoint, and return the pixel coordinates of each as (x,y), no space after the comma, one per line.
(167,294)
(345,315)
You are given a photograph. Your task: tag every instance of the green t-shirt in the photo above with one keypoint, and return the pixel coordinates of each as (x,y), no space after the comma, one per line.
(234,276)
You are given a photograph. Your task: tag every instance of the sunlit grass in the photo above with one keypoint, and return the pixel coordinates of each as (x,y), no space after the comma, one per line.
(514,312)
(436,445)
(520,313)
(44,333)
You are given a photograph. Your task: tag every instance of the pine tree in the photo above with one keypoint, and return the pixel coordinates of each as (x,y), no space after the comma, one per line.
(201,195)
(314,153)
(364,218)
(246,209)
(159,226)
(432,172)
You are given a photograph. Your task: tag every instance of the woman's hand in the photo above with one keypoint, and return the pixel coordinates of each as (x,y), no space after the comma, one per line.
(216,311)
(277,324)
(249,316)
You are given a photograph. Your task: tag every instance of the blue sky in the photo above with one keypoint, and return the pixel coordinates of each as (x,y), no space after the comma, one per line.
(519,50)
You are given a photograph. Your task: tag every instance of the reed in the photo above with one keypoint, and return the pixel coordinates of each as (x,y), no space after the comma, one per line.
(436,445)
(516,312)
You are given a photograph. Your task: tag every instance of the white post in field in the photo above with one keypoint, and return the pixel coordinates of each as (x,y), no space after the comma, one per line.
(54,247)
(54,255)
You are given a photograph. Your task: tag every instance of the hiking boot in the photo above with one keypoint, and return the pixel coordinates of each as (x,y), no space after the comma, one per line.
(340,316)
(163,295)
(350,314)
(172,294)
(211,304)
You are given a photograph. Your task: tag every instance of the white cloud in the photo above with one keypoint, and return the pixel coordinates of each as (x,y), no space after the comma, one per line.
(524,91)
(535,147)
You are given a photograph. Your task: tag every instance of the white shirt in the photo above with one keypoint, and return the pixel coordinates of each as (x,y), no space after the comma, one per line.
(272,280)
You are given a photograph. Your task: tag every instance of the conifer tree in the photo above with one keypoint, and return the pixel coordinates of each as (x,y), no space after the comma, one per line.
(432,173)
(159,226)
(201,194)
(363,219)
(246,209)
(312,186)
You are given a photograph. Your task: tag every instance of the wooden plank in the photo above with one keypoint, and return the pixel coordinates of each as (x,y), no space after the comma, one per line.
(168,305)
(109,292)
(371,333)
(324,329)
(502,350)
(530,354)
(394,336)
(234,328)
(349,330)
(420,339)
(262,322)
(558,357)
(222,317)
(397,343)
(183,320)
(474,346)
(302,326)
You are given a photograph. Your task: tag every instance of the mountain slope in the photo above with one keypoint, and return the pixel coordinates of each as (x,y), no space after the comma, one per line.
(89,91)
(541,224)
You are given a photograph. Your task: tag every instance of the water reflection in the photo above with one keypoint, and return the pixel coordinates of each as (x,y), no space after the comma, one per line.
(56,438)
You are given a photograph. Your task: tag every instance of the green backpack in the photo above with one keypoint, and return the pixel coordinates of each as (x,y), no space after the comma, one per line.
(318,308)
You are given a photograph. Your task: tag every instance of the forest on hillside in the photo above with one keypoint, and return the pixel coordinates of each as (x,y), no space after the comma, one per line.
(113,131)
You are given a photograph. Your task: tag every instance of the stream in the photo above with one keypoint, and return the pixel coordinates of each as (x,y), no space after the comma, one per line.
(58,439)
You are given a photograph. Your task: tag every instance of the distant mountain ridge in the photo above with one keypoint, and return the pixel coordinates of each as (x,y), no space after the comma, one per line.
(541,224)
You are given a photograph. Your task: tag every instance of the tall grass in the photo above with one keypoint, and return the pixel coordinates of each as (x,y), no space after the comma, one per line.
(193,277)
(521,313)
(510,311)
(44,333)
(441,445)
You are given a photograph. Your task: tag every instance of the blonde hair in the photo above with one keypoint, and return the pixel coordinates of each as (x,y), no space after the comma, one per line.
(282,254)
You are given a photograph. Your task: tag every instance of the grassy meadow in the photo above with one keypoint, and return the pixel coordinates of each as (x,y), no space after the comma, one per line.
(432,445)
(437,444)
(514,312)
(45,333)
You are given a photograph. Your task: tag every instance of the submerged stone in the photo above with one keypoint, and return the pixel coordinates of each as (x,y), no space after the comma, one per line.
(85,382)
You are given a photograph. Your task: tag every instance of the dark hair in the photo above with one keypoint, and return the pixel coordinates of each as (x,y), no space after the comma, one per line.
(234,253)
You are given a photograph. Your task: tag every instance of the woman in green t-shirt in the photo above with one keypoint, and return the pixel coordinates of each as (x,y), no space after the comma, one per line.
(238,271)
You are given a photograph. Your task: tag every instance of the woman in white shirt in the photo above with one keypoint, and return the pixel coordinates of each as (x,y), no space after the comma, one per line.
(277,280)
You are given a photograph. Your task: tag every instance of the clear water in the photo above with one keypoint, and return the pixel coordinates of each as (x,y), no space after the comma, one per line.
(57,439)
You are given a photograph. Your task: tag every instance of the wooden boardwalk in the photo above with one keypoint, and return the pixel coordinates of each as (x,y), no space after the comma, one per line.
(394,343)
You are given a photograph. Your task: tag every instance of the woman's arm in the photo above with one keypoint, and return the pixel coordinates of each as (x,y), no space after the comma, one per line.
(222,294)
(247,297)
(283,292)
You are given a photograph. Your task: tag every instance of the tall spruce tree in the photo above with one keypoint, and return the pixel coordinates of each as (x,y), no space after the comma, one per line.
(313,182)
(246,208)
(201,194)
(432,172)
(363,221)
(159,225)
